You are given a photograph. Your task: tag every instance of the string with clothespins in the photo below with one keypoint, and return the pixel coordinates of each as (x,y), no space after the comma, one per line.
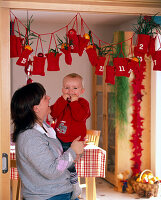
(74,24)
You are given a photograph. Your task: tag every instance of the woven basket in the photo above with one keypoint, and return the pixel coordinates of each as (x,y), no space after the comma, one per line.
(146,187)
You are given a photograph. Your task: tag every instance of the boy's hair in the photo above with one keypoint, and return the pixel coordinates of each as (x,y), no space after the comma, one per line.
(74,75)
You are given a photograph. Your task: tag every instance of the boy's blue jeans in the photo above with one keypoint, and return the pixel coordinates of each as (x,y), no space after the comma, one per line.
(66,196)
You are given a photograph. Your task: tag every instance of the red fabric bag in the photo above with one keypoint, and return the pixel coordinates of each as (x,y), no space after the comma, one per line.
(53,61)
(139,55)
(157,61)
(82,44)
(19,46)
(143,43)
(92,55)
(110,74)
(151,49)
(121,67)
(100,65)
(133,65)
(73,40)
(15,42)
(68,57)
(13,46)
(23,59)
(38,66)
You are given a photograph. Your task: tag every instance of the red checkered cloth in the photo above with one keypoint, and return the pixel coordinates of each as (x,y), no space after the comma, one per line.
(14,171)
(92,162)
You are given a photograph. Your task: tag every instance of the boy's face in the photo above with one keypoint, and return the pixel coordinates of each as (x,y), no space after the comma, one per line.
(72,86)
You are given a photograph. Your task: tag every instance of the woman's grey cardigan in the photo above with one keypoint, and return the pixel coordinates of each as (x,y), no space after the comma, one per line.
(42,165)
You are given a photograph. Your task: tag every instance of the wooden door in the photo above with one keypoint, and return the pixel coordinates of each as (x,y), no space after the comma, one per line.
(4,101)
(103,119)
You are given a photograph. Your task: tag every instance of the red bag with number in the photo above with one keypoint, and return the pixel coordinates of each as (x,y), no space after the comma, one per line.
(53,61)
(110,74)
(157,61)
(100,65)
(140,56)
(133,66)
(121,66)
(23,59)
(143,43)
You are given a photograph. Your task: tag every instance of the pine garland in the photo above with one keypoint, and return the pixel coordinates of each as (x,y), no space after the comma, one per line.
(146,25)
(29,34)
(121,89)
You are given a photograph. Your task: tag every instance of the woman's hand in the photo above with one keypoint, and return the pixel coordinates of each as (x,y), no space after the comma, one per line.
(78,146)
(77,158)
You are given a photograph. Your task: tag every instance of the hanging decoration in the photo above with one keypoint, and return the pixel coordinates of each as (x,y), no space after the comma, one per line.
(66,49)
(15,41)
(26,45)
(137,120)
(79,38)
(121,88)
(28,72)
(146,30)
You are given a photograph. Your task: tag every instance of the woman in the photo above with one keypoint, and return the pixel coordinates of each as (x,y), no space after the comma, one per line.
(41,163)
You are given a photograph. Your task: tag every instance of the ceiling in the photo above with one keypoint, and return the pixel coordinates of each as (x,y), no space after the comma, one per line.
(65,17)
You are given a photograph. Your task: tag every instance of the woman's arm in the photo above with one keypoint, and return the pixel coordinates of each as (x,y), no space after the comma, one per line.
(49,162)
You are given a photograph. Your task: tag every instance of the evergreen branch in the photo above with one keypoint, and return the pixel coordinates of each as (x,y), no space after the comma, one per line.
(20,34)
(59,40)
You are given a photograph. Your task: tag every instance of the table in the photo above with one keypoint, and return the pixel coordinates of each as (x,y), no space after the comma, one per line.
(90,165)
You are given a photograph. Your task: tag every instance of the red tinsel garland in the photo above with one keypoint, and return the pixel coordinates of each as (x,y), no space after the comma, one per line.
(137,121)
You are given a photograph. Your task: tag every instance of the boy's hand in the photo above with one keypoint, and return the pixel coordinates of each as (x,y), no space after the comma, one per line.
(74,98)
(66,96)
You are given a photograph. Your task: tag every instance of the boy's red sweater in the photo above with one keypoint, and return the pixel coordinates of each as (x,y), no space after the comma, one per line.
(70,118)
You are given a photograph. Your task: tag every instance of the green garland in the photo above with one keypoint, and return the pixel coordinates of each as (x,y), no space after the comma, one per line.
(121,89)
(146,25)
(29,35)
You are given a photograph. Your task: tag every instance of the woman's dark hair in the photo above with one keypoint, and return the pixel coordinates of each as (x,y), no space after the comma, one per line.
(22,103)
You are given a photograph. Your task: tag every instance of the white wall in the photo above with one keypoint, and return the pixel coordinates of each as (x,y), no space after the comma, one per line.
(155,119)
(52,81)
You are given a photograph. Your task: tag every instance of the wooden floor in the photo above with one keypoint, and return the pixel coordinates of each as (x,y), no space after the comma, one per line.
(105,191)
